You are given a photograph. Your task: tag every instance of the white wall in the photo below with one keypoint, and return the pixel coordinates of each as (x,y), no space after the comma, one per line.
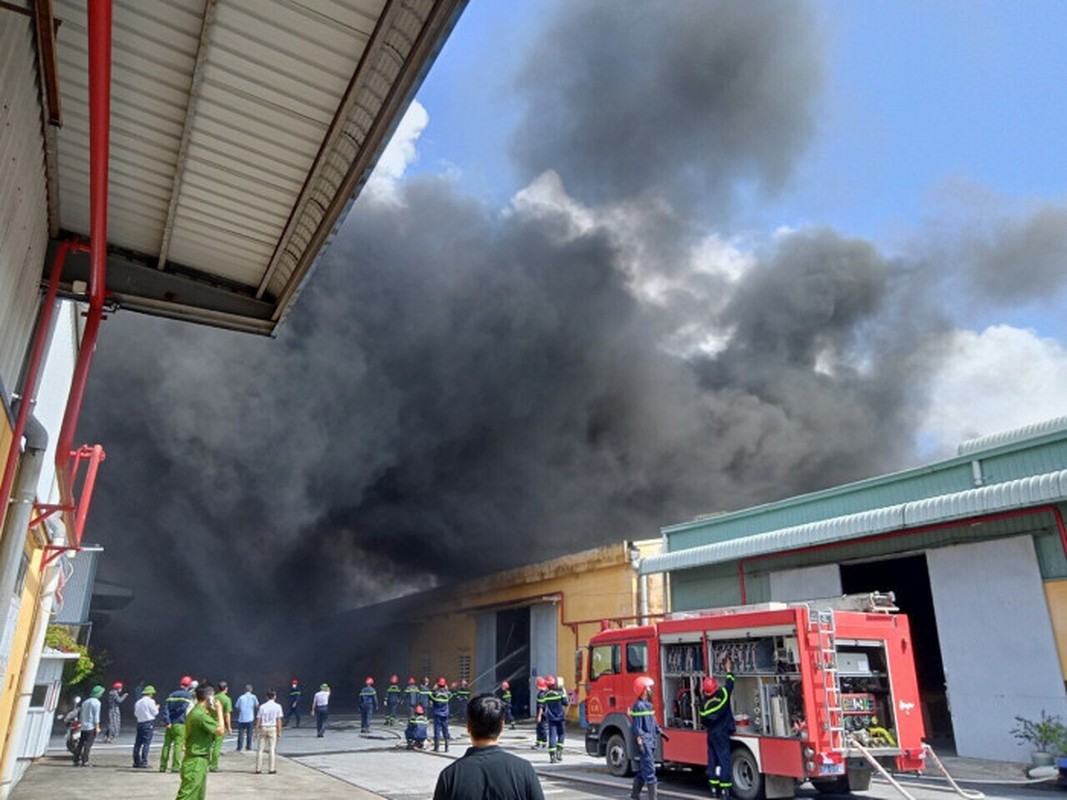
(996,643)
(806,583)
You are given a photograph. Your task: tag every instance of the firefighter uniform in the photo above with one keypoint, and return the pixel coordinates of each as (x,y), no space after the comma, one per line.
(439,700)
(646,734)
(411,696)
(175,707)
(368,704)
(555,704)
(422,696)
(718,717)
(541,733)
(294,705)
(504,693)
(392,700)
(463,696)
(415,733)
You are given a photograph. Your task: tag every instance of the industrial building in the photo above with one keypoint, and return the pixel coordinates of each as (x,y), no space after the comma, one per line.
(515,625)
(974,548)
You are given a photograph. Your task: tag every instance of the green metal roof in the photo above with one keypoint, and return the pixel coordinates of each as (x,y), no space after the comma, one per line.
(1016,469)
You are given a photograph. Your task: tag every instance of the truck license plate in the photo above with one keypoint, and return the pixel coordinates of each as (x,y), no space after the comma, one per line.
(831,769)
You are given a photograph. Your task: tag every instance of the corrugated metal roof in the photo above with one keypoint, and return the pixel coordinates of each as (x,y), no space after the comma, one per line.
(1021,493)
(241,130)
(1057,425)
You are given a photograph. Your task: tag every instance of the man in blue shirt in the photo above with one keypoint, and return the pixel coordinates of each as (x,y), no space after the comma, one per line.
(89,720)
(246,707)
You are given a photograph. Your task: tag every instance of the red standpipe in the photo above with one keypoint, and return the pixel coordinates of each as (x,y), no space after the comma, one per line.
(99,144)
(1057,515)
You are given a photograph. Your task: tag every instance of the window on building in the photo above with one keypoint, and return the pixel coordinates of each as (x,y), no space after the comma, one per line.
(604,661)
(427,667)
(637,657)
(40,695)
(465,668)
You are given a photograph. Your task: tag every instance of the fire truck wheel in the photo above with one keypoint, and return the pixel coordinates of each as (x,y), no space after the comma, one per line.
(618,757)
(748,780)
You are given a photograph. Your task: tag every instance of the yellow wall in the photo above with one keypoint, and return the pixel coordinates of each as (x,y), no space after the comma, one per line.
(590,586)
(1056,597)
(24,628)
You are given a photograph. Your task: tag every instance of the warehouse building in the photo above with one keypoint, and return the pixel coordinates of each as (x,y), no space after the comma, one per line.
(974,547)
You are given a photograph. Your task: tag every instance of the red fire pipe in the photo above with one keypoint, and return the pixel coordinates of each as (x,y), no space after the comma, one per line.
(99,144)
(1021,512)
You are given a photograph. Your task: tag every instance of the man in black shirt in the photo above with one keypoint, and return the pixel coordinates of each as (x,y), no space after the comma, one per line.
(486,771)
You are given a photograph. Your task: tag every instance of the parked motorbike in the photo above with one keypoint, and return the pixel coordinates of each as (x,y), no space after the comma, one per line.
(73,725)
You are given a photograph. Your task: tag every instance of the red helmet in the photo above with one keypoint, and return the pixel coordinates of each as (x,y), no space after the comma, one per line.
(393,679)
(710,685)
(505,685)
(442,682)
(418,709)
(369,681)
(185,681)
(295,681)
(642,685)
(117,685)
(411,681)
(541,683)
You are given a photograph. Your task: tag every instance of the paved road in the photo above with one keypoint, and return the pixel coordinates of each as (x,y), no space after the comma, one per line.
(346,764)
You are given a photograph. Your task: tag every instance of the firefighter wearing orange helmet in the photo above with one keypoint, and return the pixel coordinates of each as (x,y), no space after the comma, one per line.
(718,717)
(504,693)
(646,735)
(368,704)
(541,740)
(439,702)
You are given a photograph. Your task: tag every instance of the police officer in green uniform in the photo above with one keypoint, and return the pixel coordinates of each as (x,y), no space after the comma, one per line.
(222,697)
(203,724)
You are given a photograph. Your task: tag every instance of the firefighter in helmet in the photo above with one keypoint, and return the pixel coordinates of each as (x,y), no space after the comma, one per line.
(554,712)
(368,704)
(718,717)
(646,735)
(439,700)
(504,693)
(411,695)
(541,740)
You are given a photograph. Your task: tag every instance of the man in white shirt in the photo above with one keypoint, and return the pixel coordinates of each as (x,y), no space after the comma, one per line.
(246,706)
(145,711)
(320,708)
(269,730)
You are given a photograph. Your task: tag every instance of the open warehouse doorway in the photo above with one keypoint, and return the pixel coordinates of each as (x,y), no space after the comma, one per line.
(908,577)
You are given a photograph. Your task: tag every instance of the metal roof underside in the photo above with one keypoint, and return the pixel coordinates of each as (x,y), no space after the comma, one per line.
(1028,492)
(241,131)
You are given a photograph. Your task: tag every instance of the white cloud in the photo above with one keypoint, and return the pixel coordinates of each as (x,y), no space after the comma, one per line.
(398,155)
(993,381)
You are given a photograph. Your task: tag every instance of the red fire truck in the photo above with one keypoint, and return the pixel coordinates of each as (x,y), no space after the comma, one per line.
(812,681)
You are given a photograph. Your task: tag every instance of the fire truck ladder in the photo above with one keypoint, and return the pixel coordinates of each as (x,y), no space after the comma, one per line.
(822,628)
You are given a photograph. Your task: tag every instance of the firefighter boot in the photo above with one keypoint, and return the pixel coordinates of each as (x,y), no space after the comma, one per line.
(725,793)
(635,792)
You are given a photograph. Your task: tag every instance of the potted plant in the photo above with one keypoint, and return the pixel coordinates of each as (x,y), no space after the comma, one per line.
(1047,735)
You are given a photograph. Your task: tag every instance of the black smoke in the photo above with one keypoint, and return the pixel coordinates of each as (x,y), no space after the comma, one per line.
(460,389)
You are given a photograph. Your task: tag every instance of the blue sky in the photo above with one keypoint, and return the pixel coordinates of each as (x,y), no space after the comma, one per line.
(918,94)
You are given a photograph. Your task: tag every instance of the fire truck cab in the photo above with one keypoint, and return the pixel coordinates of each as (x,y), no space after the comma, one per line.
(812,681)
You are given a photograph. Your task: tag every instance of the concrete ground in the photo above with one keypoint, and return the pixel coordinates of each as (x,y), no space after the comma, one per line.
(346,764)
